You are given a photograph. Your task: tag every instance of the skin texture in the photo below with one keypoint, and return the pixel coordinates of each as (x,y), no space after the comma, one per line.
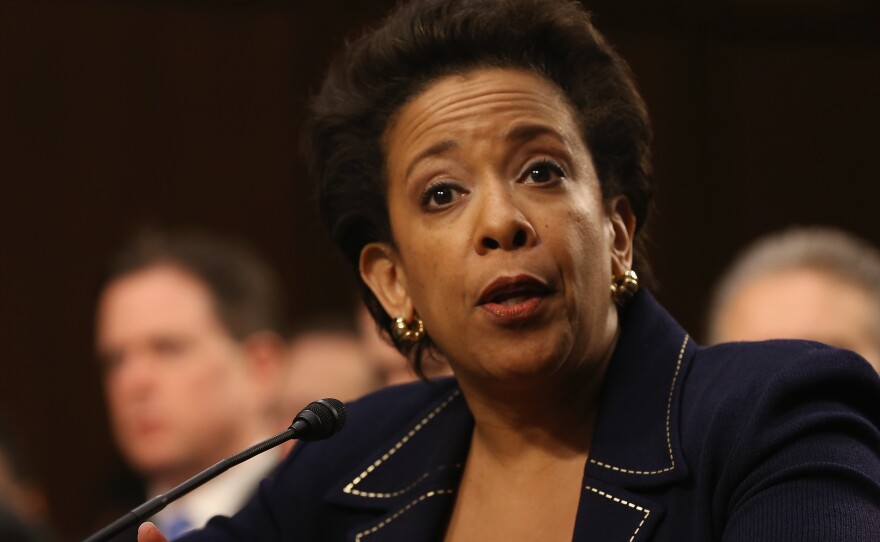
(801,303)
(148,532)
(182,393)
(488,178)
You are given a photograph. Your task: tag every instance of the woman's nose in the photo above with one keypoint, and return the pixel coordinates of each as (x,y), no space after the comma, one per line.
(502,224)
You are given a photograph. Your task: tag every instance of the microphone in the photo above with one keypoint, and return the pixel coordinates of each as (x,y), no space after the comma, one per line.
(319,420)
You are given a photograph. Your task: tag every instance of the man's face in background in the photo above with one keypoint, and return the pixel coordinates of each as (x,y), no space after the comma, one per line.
(176,382)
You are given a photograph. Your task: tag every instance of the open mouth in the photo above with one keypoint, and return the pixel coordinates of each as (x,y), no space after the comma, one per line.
(513,291)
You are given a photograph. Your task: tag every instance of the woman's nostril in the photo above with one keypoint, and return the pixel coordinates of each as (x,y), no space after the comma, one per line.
(519,238)
(490,243)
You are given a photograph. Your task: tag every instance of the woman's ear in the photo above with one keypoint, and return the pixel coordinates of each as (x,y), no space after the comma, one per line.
(381,271)
(622,232)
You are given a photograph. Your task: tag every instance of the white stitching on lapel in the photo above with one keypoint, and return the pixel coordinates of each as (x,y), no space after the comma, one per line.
(625,503)
(350,488)
(668,414)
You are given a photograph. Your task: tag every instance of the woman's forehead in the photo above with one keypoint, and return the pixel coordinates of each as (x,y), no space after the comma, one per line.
(488,98)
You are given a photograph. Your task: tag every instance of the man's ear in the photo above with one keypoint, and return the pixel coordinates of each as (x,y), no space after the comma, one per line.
(622,232)
(381,270)
(265,352)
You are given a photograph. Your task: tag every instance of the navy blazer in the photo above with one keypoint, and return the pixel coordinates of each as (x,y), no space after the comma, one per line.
(773,441)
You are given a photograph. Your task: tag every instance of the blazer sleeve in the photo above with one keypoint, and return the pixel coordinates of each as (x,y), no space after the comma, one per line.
(259,519)
(805,465)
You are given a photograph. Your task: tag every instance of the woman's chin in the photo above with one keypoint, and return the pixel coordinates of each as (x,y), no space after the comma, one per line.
(519,362)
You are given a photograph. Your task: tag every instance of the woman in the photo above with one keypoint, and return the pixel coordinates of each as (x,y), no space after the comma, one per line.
(484,164)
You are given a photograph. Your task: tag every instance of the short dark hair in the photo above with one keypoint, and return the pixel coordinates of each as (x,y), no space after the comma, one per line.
(244,289)
(424,40)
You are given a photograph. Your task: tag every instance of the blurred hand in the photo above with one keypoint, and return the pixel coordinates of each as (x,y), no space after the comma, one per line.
(148,532)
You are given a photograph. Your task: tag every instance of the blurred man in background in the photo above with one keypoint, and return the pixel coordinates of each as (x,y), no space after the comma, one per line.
(188,332)
(326,358)
(815,283)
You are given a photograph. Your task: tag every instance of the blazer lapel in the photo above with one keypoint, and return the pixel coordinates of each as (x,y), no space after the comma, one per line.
(423,519)
(636,442)
(409,486)
(610,514)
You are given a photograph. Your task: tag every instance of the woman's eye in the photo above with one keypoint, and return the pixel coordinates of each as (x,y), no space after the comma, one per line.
(543,172)
(439,195)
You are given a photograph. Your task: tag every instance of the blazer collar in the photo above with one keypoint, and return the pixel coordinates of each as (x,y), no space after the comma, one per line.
(411,481)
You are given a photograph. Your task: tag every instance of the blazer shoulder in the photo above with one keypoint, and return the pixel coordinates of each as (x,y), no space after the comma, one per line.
(737,389)
(781,428)
(743,366)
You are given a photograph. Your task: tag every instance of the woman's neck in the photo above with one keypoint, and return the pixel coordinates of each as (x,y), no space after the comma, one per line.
(550,417)
(523,473)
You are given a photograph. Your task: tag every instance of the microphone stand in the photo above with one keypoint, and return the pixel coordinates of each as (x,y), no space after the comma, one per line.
(156,504)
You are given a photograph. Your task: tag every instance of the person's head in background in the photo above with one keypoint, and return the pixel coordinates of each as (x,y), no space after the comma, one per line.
(390,365)
(188,333)
(24,514)
(326,359)
(811,283)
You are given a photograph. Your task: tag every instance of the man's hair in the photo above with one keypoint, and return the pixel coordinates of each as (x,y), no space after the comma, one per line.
(828,250)
(245,291)
(425,40)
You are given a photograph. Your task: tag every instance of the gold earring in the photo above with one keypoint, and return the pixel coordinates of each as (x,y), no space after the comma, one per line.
(623,288)
(409,332)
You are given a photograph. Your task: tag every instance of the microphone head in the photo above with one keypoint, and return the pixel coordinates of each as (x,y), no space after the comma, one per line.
(323,418)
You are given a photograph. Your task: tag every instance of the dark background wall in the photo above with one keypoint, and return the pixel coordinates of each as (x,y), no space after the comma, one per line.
(114,114)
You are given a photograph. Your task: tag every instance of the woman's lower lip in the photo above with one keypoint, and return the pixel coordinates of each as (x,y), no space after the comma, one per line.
(513,314)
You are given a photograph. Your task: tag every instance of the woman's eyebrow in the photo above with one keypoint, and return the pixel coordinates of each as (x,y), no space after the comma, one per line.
(441,147)
(526,132)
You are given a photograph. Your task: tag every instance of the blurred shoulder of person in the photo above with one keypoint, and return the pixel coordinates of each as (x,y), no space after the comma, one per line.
(24,514)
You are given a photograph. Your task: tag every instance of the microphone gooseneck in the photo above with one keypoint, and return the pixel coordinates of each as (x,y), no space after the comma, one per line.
(319,420)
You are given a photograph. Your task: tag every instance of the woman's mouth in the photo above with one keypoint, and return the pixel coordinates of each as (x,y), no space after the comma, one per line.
(512,300)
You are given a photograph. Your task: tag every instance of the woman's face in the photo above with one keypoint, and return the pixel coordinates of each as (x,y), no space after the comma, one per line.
(503,244)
